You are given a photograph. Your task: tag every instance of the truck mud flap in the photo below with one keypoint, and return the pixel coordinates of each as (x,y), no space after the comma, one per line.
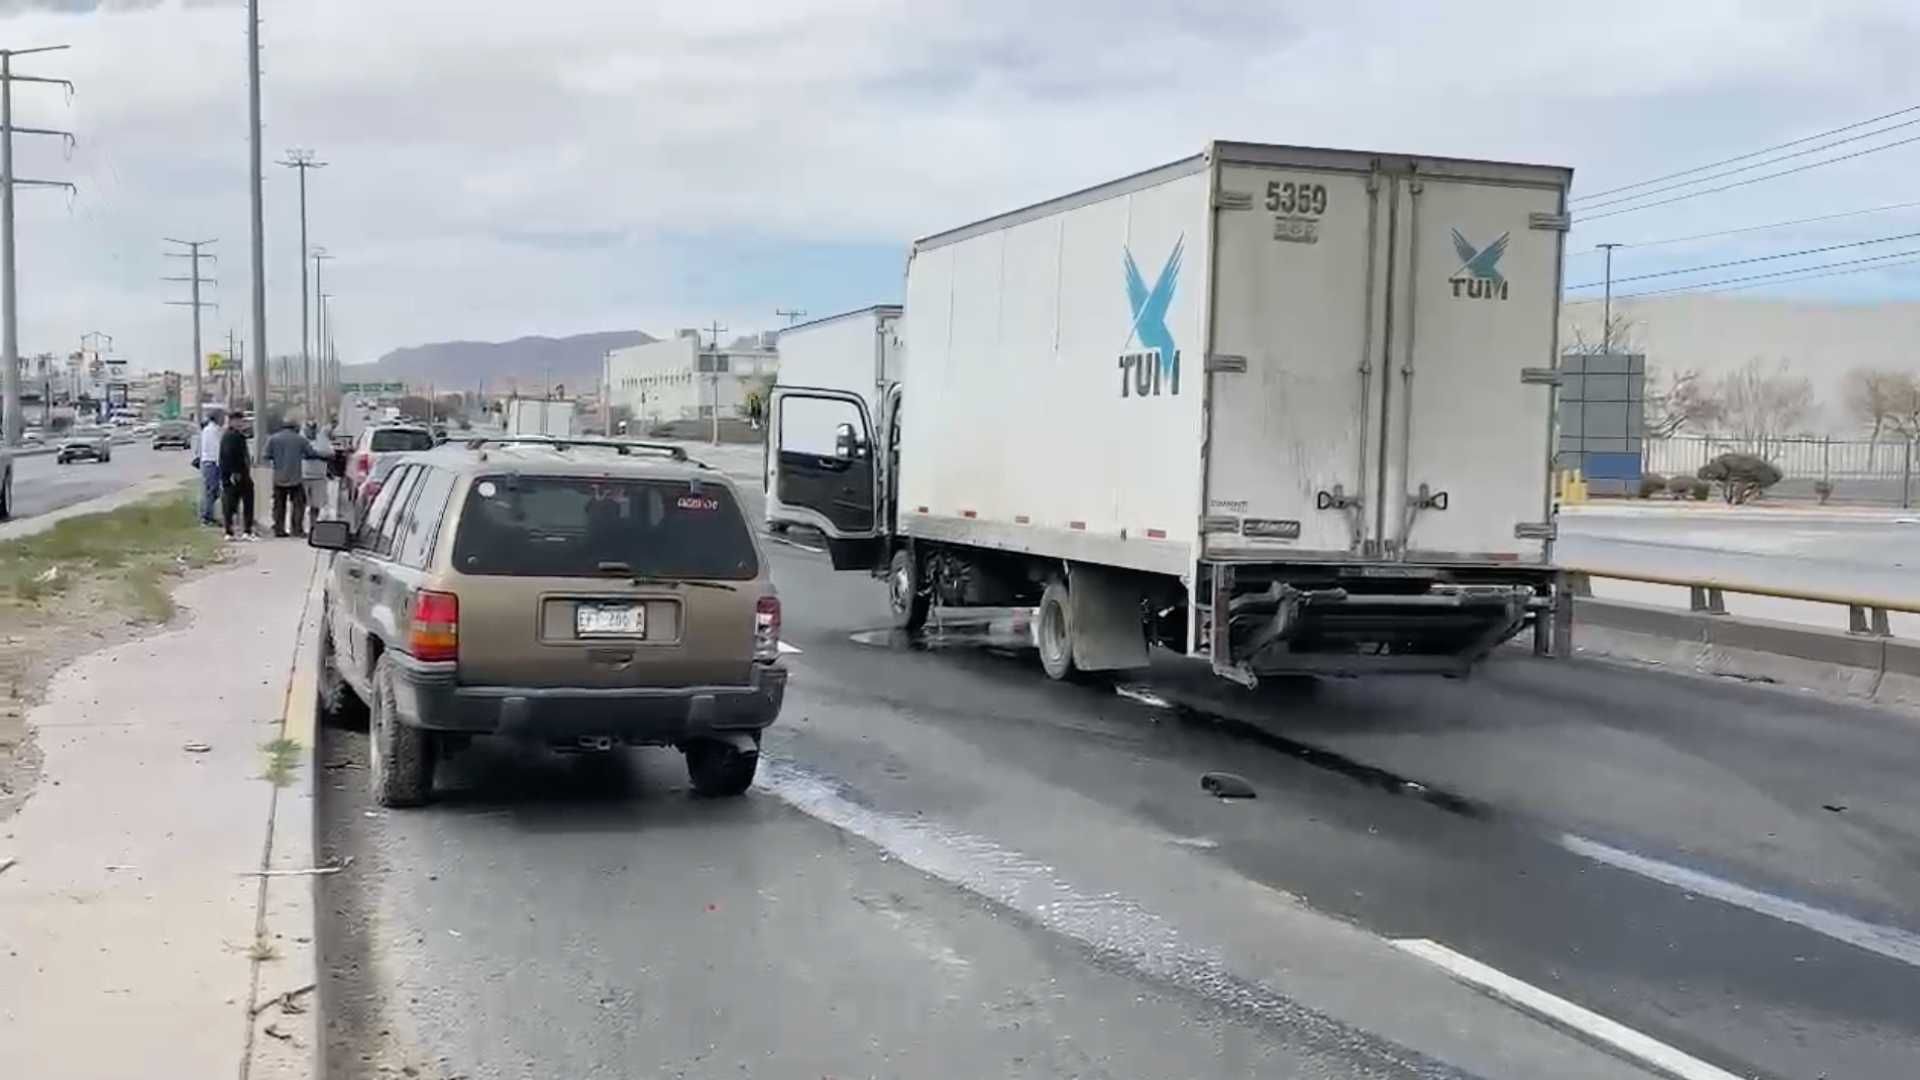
(1108,631)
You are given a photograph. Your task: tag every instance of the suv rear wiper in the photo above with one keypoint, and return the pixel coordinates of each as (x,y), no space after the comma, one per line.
(611,566)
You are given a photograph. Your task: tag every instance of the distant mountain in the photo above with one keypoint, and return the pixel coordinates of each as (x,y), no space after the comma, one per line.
(529,361)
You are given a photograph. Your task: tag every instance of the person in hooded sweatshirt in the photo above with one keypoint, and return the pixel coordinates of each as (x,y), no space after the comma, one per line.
(236,478)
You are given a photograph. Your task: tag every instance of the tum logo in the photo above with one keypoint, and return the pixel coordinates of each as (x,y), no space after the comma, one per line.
(1479,275)
(1154,368)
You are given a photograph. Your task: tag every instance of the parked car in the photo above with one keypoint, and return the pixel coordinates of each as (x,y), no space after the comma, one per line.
(173,435)
(378,439)
(90,444)
(582,596)
(33,436)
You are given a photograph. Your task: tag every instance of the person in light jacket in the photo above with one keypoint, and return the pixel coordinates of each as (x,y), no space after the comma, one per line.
(206,458)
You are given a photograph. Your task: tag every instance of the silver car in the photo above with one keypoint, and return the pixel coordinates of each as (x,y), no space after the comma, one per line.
(90,444)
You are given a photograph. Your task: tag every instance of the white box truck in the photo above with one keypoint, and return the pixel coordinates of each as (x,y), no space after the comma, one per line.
(1285,409)
(860,351)
(534,416)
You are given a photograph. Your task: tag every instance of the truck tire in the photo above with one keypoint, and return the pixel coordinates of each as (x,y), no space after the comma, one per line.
(906,592)
(402,757)
(719,770)
(1053,632)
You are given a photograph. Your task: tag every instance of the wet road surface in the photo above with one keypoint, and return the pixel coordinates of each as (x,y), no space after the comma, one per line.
(953,867)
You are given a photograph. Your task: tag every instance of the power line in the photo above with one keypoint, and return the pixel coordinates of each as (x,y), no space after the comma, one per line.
(1750,180)
(1753,154)
(1753,228)
(1754,259)
(1803,273)
(1755,165)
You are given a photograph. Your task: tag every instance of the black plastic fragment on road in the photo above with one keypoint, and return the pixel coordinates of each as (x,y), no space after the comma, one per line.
(1226,785)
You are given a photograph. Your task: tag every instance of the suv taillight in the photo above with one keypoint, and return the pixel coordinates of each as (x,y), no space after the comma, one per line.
(436,626)
(766,628)
(362,464)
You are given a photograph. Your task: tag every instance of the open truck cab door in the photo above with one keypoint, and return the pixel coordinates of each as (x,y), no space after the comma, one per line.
(821,471)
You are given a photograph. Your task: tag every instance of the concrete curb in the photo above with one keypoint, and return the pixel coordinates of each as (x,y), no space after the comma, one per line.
(284,1025)
(1884,671)
(39,523)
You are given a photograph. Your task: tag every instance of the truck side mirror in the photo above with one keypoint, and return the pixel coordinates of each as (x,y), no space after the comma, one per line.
(845,443)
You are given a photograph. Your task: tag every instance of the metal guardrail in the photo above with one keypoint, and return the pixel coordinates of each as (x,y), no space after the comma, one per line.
(1865,615)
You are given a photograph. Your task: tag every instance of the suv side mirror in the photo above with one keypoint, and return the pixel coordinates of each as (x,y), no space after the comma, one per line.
(329,535)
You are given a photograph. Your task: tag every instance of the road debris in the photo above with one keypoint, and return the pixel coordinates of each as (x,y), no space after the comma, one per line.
(6,862)
(274,1030)
(301,871)
(196,747)
(1226,785)
(288,1002)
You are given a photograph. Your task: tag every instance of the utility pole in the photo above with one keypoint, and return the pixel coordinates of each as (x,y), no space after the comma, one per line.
(326,344)
(310,386)
(10,418)
(193,252)
(713,373)
(1606,306)
(792,315)
(319,254)
(259,224)
(606,393)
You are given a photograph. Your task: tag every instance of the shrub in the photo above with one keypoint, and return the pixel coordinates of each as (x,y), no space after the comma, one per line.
(1652,484)
(1823,490)
(1742,477)
(1681,486)
(1698,490)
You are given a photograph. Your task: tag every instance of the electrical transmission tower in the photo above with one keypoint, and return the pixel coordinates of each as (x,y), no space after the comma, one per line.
(10,419)
(193,252)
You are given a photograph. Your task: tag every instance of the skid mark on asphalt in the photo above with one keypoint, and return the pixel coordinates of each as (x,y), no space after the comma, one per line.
(1888,941)
(1114,926)
(1560,1011)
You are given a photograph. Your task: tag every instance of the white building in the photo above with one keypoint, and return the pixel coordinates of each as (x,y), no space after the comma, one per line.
(679,378)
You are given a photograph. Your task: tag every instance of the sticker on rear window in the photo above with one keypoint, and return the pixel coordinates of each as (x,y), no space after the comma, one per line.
(487,489)
(697,502)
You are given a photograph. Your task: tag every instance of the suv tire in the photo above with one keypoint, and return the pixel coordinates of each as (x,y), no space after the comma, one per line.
(402,757)
(718,770)
(338,705)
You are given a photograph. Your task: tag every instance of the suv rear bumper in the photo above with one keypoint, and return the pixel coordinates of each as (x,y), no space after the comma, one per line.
(427,695)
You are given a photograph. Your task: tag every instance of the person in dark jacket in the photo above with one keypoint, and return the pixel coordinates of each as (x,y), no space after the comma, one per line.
(288,451)
(236,477)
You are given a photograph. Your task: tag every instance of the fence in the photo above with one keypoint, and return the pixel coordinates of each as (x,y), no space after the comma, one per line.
(1858,470)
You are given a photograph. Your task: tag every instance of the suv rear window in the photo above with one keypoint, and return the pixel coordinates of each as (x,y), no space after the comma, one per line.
(569,526)
(400,439)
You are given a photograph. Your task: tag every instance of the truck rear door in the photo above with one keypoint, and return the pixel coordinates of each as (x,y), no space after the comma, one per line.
(1464,457)
(1297,311)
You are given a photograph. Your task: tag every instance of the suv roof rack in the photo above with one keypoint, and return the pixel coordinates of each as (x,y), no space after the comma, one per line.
(624,448)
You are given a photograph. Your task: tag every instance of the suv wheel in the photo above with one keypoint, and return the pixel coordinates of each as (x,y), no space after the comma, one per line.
(719,770)
(402,756)
(339,706)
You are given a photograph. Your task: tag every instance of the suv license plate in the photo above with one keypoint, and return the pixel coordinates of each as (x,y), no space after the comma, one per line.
(601,620)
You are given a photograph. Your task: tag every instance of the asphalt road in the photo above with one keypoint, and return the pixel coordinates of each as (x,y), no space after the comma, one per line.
(953,867)
(41,485)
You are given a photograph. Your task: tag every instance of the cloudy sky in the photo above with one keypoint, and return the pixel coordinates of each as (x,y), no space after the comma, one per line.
(500,168)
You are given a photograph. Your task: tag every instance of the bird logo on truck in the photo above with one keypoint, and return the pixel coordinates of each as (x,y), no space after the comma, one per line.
(1154,368)
(1479,276)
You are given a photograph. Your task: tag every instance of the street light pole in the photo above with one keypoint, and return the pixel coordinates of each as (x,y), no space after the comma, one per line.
(309,384)
(259,224)
(1606,305)
(10,418)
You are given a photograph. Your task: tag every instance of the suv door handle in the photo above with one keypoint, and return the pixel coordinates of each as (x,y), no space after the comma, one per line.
(353,571)
(375,578)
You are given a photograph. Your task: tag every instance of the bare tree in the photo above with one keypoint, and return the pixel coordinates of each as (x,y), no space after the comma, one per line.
(1763,405)
(1903,408)
(1683,399)
(1617,335)
(1874,396)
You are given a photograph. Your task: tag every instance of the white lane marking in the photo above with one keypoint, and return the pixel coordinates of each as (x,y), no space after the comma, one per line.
(1889,941)
(778,539)
(791,649)
(1558,1010)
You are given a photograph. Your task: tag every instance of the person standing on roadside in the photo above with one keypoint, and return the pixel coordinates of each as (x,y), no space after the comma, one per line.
(236,478)
(288,451)
(313,471)
(206,458)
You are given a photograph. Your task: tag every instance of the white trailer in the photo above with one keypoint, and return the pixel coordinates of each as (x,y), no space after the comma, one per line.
(860,351)
(1286,409)
(535,416)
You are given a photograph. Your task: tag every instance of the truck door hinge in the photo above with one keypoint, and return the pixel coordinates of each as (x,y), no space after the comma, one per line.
(1535,530)
(1541,219)
(1540,376)
(1226,362)
(1233,200)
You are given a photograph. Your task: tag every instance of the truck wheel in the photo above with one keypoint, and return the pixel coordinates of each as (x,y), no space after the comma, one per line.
(1053,632)
(718,770)
(401,768)
(906,593)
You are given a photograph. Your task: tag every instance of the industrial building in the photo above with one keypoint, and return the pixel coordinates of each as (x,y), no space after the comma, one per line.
(681,378)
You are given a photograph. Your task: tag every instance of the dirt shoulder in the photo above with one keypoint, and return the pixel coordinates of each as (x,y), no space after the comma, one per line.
(90,581)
